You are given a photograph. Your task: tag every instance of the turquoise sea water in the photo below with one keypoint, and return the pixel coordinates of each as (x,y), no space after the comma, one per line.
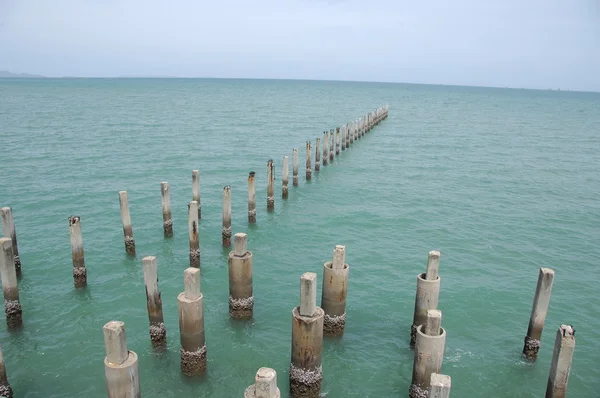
(501,181)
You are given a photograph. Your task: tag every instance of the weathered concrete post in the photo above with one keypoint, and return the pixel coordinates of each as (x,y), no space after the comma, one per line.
(9,231)
(226,231)
(284,179)
(306,373)
(270,185)
(429,353)
(541,300)
(120,365)
(318,155)
(295,167)
(79,270)
(352,132)
(191,325)
(196,191)
(428,291)
(158,331)
(166,209)
(126,219)
(5,388)
(10,288)
(564,346)
(439,386)
(265,385)
(337,141)
(335,289)
(344,129)
(241,299)
(251,199)
(325,150)
(194,234)
(331,144)
(308,166)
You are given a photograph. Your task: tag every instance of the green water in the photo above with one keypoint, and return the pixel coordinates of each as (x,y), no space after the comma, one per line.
(502,182)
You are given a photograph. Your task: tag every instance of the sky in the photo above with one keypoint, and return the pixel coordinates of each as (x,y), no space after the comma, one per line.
(507,43)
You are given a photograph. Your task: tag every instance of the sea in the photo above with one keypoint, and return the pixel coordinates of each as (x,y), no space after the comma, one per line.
(500,181)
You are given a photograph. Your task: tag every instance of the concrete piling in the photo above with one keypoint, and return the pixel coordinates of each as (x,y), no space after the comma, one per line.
(352,129)
(126,219)
(251,199)
(325,150)
(306,373)
(284,179)
(270,185)
(318,155)
(196,191)
(439,386)
(158,331)
(541,300)
(226,231)
(429,353)
(10,288)
(241,299)
(194,234)
(295,167)
(428,291)
(335,289)
(79,270)
(265,385)
(308,166)
(166,209)
(191,325)
(9,230)
(337,141)
(344,137)
(331,144)
(120,364)
(564,346)
(5,388)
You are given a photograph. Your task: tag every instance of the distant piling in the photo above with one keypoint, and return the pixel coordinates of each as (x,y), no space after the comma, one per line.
(265,385)
(428,291)
(429,353)
(251,199)
(439,386)
(562,357)
(158,331)
(126,220)
(306,373)
(348,133)
(317,155)
(120,364)
(284,179)
(241,299)
(352,130)
(10,288)
(166,209)
(9,230)
(196,191)
(270,185)
(226,230)
(191,325)
(541,301)
(331,144)
(335,289)
(337,141)
(308,167)
(79,270)
(295,167)
(325,150)
(344,137)
(194,234)
(5,388)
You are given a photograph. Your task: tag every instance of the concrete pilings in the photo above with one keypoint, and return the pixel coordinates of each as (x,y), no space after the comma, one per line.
(120,364)
(251,199)
(226,230)
(428,290)
(265,385)
(165,194)
(439,386)
(348,128)
(196,191)
(5,388)
(335,289)
(241,299)
(270,185)
(79,270)
(191,325)
(306,373)
(9,230)
(344,132)
(429,353)
(352,132)
(317,154)
(541,301)
(308,166)
(126,220)
(194,235)
(10,288)
(562,357)
(325,150)
(295,167)
(158,331)
(284,178)
(331,144)
(337,141)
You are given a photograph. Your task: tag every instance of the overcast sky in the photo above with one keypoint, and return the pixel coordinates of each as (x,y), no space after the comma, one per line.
(514,43)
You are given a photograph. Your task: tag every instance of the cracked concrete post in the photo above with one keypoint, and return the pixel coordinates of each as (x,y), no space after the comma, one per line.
(541,300)
(165,193)
(251,198)
(194,235)
(270,185)
(9,231)
(308,166)
(126,220)
(295,166)
(317,154)
(196,191)
(284,179)
(10,288)
(564,346)
(158,331)
(226,230)
(79,270)
(241,299)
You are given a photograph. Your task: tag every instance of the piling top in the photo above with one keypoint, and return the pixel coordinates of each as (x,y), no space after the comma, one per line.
(251,174)
(433,265)
(265,383)
(115,342)
(191,283)
(308,294)
(567,331)
(240,244)
(339,257)
(73,220)
(433,323)
(440,380)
